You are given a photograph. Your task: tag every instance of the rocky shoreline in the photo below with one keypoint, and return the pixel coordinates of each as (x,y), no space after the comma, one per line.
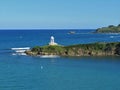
(93,49)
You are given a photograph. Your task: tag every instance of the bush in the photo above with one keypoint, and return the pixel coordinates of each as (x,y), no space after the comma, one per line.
(36,49)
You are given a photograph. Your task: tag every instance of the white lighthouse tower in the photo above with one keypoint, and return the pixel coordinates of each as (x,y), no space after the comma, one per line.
(52,42)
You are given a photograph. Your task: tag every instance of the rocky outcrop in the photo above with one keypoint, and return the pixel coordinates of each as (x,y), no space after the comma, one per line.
(94,49)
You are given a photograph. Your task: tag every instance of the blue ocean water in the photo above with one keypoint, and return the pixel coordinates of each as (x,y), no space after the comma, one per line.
(19,72)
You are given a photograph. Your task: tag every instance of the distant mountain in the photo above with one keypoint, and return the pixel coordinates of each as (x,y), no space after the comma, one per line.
(109,29)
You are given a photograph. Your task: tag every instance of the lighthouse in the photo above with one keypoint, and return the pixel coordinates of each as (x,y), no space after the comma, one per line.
(52,42)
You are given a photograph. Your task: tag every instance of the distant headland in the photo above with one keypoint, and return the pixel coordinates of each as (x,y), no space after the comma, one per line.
(93,49)
(109,29)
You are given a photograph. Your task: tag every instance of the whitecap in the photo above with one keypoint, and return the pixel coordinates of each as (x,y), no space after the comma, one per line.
(20,51)
(14,54)
(49,56)
(24,48)
(23,54)
(111,36)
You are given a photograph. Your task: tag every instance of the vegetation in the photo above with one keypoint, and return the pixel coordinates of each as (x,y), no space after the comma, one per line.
(109,29)
(93,49)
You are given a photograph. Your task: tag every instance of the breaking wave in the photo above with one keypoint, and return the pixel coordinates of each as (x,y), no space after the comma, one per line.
(49,56)
(15,51)
(20,51)
(23,48)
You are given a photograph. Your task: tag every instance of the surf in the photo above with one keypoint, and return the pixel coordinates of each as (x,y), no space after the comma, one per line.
(20,51)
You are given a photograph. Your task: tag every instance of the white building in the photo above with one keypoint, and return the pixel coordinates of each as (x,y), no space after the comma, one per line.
(52,42)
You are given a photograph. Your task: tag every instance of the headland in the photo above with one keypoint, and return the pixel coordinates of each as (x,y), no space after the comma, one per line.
(92,49)
(109,29)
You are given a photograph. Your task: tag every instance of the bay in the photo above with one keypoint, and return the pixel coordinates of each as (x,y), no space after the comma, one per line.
(21,72)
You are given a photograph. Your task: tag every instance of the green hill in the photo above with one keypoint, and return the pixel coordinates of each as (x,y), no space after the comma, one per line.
(109,29)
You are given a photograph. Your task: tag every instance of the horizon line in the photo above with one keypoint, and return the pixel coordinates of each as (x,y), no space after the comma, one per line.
(46,29)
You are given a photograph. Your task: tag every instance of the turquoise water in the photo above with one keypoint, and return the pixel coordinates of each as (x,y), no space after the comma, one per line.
(19,72)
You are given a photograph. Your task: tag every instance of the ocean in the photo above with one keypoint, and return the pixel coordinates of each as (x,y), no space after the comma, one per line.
(22,72)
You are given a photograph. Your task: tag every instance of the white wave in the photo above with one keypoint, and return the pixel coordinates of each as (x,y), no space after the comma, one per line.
(49,56)
(114,36)
(20,51)
(111,36)
(24,54)
(14,54)
(24,48)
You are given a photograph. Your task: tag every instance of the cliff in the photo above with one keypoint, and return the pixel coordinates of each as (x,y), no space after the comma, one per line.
(109,29)
(93,49)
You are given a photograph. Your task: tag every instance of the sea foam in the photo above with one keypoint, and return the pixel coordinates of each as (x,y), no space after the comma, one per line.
(20,51)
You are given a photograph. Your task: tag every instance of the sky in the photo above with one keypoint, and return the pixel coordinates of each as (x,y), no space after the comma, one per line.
(58,14)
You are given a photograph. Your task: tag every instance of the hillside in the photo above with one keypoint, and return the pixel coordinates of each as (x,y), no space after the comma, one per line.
(109,29)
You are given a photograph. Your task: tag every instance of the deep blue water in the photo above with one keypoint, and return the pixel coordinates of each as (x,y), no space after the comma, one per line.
(19,72)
